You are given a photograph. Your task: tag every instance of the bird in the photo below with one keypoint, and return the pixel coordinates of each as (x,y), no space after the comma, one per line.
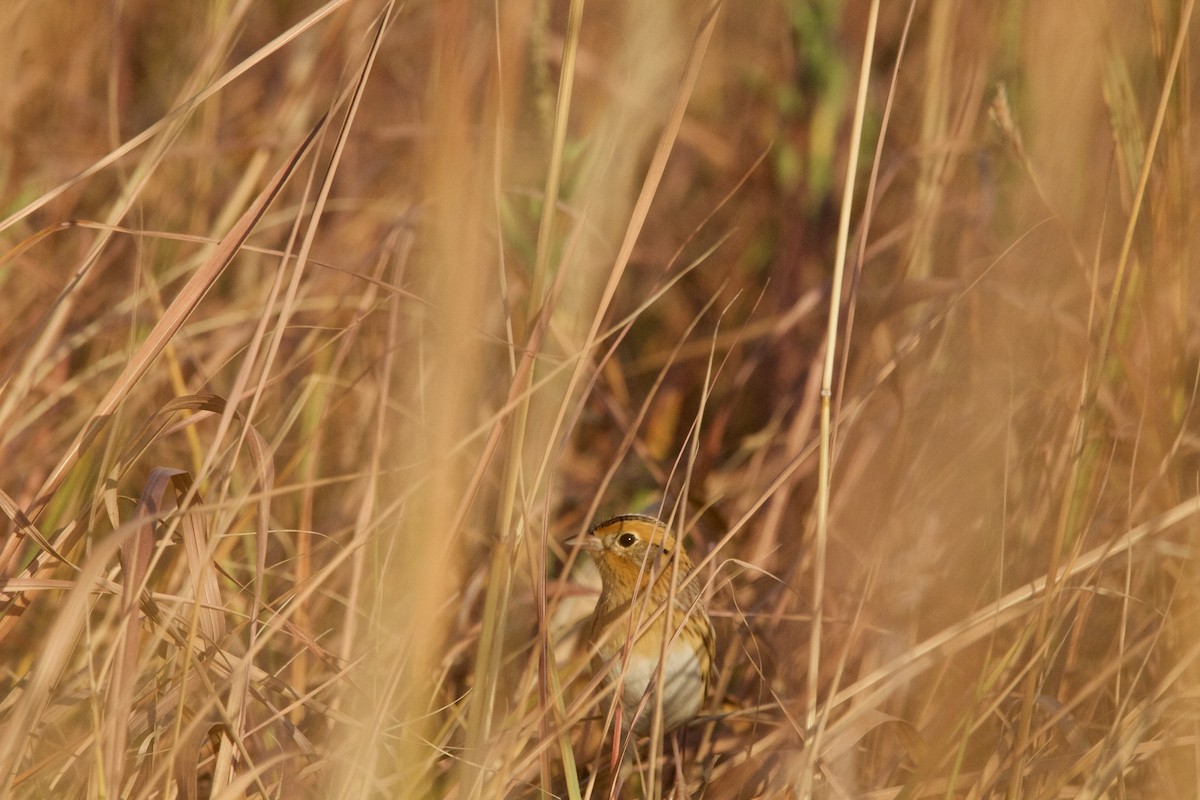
(641,566)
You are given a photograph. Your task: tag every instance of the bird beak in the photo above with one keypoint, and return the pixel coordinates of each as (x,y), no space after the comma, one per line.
(585,542)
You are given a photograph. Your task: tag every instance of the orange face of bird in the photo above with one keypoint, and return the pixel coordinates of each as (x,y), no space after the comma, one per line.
(632,550)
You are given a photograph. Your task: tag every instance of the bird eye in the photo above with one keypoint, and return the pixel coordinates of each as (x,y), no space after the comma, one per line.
(626,539)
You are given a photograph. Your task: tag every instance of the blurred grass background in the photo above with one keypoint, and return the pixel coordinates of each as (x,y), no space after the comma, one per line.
(292,427)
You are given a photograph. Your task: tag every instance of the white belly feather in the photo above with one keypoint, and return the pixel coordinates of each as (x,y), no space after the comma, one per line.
(683,688)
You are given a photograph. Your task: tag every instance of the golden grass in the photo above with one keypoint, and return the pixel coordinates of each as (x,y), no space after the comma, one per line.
(303,382)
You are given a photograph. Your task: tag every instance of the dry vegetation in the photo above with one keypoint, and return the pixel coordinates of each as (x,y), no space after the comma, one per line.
(302,385)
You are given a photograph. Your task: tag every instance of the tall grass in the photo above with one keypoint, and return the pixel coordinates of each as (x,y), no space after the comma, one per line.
(325,324)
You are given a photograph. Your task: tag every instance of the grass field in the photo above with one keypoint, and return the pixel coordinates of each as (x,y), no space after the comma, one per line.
(891,307)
